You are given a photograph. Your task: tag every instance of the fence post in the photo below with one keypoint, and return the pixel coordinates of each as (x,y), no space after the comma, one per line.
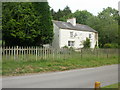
(45,52)
(22,52)
(81,53)
(53,53)
(8,53)
(2,51)
(107,52)
(12,52)
(97,53)
(64,53)
(17,52)
(36,53)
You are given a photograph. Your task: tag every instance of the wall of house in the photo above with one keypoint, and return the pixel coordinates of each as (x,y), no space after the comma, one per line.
(78,38)
(55,43)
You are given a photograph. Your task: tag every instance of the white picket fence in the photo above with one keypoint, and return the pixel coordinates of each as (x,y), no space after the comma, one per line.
(32,52)
(38,53)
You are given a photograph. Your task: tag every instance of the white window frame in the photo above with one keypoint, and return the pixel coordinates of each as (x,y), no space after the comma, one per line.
(71,43)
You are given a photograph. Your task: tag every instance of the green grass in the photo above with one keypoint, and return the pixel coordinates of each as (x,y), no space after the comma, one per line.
(117,85)
(18,67)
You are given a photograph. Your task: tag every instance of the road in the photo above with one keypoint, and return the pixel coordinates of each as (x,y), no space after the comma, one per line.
(78,78)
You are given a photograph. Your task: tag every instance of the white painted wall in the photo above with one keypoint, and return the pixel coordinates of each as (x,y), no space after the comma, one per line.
(62,36)
(55,43)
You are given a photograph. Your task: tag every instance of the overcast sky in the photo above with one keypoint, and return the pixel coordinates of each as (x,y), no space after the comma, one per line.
(93,6)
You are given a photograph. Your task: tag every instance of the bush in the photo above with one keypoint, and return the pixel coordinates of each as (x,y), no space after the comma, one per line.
(109,45)
(115,45)
(65,47)
(71,48)
(86,43)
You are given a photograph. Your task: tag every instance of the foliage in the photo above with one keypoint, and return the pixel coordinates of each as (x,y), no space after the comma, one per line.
(26,25)
(82,16)
(107,45)
(65,47)
(106,23)
(113,45)
(60,13)
(86,43)
(46,26)
(71,49)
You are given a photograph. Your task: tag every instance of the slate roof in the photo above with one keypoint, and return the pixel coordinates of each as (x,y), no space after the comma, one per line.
(79,27)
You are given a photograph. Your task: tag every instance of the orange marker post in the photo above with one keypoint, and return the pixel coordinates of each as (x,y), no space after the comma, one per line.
(97,85)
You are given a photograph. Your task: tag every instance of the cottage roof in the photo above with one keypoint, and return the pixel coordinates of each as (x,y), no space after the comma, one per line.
(68,25)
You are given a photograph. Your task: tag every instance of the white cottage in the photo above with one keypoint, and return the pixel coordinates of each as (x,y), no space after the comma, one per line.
(73,35)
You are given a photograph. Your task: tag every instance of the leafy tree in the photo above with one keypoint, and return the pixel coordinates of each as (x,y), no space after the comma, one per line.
(86,43)
(82,16)
(107,26)
(53,13)
(60,13)
(113,13)
(45,35)
(66,11)
(23,25)
(64,18)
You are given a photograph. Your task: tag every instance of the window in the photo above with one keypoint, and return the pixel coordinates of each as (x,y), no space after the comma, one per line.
(71,34)
(75,34)
(89,35)
(71,43)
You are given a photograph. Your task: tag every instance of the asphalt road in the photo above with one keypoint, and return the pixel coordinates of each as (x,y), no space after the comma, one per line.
(79,78)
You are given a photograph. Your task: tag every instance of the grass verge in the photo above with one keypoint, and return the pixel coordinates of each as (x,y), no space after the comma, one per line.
(11,67)
(117,85)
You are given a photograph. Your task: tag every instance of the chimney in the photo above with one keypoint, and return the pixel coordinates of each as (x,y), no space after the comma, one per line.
(72,21)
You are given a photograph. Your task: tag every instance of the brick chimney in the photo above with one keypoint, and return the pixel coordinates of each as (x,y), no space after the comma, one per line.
(72,21)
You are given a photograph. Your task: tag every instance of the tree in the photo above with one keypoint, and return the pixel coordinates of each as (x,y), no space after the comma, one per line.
(53,13)
(66,11)
(46,26)
(23,25)
(60,13)
(82,16)
(107,26)
(86,43)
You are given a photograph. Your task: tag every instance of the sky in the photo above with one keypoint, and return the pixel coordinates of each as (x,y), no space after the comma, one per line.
(92,6)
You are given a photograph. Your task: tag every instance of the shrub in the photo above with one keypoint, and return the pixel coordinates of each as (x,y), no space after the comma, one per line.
(71,48)
(111,45)
(65,47)
(86,43)
(114,45)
